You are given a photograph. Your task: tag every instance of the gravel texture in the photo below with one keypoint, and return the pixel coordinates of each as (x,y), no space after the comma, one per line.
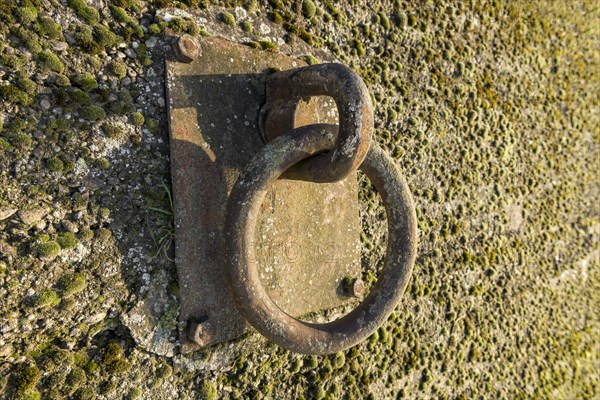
(489,108)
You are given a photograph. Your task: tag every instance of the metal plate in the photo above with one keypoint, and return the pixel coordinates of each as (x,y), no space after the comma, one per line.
(308,233)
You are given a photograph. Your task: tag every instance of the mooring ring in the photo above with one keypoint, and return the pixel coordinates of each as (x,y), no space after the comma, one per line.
(243,208)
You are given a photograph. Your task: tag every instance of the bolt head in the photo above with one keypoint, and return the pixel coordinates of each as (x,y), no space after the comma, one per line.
(201,333)
(186,48)
(358,288)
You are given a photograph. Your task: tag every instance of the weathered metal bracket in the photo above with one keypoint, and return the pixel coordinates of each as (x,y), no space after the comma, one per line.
(307,233)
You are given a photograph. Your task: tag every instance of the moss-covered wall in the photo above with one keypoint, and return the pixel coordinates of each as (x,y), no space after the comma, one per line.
(489,107)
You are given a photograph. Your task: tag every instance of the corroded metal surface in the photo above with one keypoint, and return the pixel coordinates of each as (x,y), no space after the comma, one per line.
(243,208)
(286,88)
(303,251)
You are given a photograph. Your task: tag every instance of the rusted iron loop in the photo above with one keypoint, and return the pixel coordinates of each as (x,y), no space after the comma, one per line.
(284,89)
(242,211)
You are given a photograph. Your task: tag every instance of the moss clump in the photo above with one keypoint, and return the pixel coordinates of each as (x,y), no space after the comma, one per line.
(26,12)
(134,393)
(76,378)
(275,17)
(113,360)
(86,234)
(268,46)
(310,60)
(154,29)
(30,40)
(92,113)
(26,85)
(85,40)
(49,61)
(105,37)
(47,250)
(67,240)
(227,18)
(113,131)
(48,28)
(55,164)
(208,390)
(384,21)
(71,284)
(13,94)
(84,393)
(308,9)
(137,118)
(358,46)
(12,61)
(247,27)
(26,377)
(118,69)
(87,13)
(45,298)
(400,19)
(85,81)
(152,125)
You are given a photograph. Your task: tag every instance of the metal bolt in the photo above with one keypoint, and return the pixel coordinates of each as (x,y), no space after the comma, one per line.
(201,332)
(358,288)
(186,48)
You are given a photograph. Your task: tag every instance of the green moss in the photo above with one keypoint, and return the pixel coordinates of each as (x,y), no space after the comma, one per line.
(87,13)
(4,144)
(26,377)
(268,46)
(67,240)
(13,94)
(113,360)
(48,61)
(26,12)
(55,164)
(275,17)
(154,29)
(131,28)
(12,61)
(358,46)
(85,40)
(86,234)
(184,25)
(134,393)
(104,36)
(247,27)
(137,119)
(411,20)
(92,113)
(84,393)
(308,9)
(30,40)
(310,60)
(71,284)
(85,81)
(227,18)
(76,378)
(45,298)
(152,125)
(118,69)
(208,390)
(47,249)
(113,131)
(400,19)
(47,27)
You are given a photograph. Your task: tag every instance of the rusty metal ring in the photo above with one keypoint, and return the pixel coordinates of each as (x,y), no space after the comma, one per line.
(242,210)
(285,88)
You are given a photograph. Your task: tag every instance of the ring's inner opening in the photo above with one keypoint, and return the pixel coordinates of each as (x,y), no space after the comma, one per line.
(299,264)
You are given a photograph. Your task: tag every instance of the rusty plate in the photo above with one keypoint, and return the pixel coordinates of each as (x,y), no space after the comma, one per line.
(307,236)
